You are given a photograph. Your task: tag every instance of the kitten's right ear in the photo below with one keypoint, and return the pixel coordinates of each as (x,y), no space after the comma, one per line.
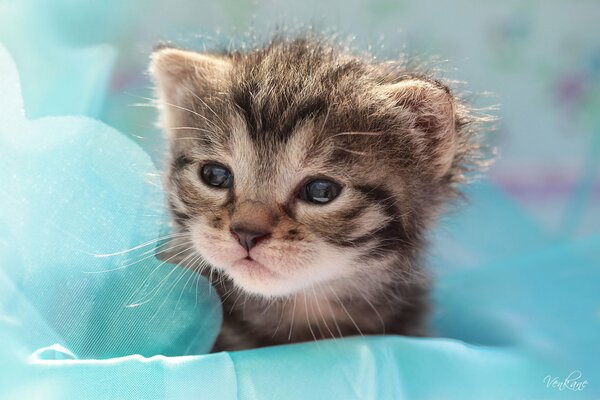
(178,72)
(430,110)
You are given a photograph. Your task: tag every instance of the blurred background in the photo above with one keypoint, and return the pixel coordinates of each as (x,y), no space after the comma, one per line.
(538,62)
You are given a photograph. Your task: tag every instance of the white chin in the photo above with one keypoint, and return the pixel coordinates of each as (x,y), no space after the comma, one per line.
(257,279)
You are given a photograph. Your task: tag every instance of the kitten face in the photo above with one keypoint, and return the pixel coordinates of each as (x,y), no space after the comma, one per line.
(297,166)
(302,242)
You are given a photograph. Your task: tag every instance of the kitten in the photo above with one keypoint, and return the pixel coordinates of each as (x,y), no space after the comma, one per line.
(307,178)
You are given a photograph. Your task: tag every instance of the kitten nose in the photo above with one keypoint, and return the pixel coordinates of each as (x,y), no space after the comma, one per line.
(249,236)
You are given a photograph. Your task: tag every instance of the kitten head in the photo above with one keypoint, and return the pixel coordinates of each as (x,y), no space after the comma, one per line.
(299,165)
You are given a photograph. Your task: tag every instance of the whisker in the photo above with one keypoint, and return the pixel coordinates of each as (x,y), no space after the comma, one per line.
(240,293)
(170,236)
(143,105)
(228,294)
(281,316)
(174,285)
(321,312)
(365,297)
(192,275)
(183,109)
(292,321)
(244,307)
(360,153)
(308,315)
(199,275)
(145,299)
(326,118)
(185,138)
(165,298)
(337,326)
(178,265)
(210,280)
(155,291)
(152,253)
(204,103)
(150,275)
(270,302)
(190,128)
(170,248)
(358,133)
(317,321)
(345,310)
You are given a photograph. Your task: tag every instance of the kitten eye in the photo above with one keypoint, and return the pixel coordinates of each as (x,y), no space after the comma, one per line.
(320,191)
(217,176)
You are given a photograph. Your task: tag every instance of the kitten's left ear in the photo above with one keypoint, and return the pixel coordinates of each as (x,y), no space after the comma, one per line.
(430,111)
(181,75)
(170,67)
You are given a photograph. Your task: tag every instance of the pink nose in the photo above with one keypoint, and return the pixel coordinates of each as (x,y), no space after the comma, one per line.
(248,236)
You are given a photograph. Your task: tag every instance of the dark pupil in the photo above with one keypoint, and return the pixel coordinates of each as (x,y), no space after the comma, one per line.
(321,191)
(215,175)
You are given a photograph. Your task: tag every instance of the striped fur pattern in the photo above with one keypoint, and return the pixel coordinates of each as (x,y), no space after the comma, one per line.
(398,143)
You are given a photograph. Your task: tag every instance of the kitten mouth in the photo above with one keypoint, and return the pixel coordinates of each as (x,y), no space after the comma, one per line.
(250,268)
